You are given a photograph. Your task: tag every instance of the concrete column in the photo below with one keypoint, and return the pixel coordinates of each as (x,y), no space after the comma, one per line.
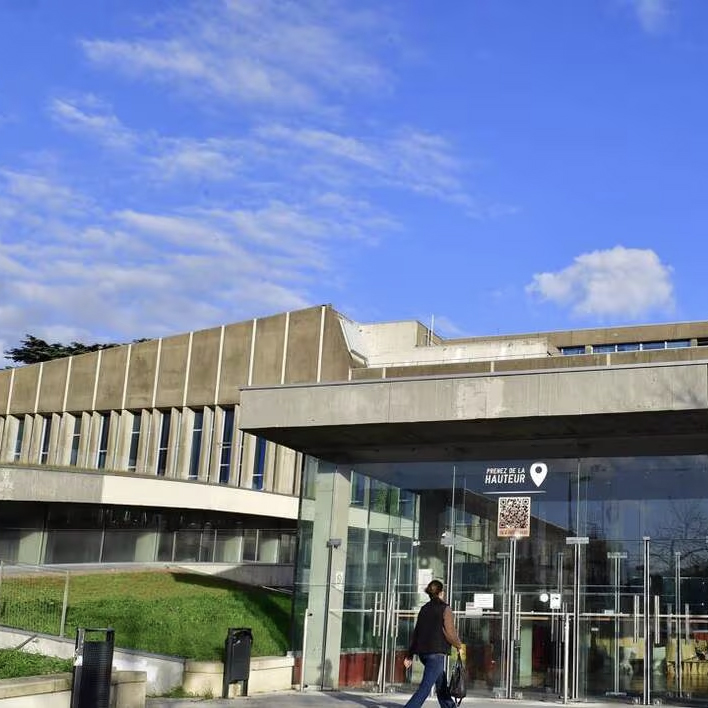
(7,449)
(206,452)
(229,546)
(247,451)
(30,547)
(146,547)
(184,443)
(268,547)
(326,593)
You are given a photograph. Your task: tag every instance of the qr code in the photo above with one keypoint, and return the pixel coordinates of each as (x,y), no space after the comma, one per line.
(514,517)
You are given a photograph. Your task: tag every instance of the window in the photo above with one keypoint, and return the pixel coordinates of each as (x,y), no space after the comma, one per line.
(197,430)
(163,449)
(46,437)
(75,440)
(134,443)
(358,487)
(18,440)
(678,344)
(103,440)
(250,545)
(604,348)
(571,351)
(286,548)
(653,345)
(259,464)
(227,438)
(628,347)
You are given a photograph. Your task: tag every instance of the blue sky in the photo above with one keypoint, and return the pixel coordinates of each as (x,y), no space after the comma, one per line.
(502,165)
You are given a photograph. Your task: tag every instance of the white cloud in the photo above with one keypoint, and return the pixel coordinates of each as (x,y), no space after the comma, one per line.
(90,116)
(130,273)
(653,15)
(410,159)
(618,282)
(263,52)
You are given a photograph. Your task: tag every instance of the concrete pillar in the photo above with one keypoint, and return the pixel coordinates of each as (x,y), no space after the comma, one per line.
(30,547)
(146,547)
(269,543)
(326,594)
(229,544)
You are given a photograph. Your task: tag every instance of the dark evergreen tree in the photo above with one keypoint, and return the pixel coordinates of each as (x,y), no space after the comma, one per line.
(33,350)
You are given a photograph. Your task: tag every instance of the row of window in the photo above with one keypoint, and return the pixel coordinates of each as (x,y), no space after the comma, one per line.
(625,347)
(73,445)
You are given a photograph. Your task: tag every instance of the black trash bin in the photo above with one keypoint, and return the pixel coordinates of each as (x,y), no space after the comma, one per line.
(237,658)
(93,662)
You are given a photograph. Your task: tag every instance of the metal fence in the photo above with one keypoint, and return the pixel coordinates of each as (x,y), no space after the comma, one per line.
(33,598)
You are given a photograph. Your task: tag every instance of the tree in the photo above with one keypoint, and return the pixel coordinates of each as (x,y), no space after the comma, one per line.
(33,350)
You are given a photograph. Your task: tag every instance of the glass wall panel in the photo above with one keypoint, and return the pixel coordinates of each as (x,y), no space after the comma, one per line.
(608,555)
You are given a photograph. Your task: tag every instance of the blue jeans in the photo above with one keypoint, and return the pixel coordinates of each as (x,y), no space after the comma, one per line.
(433,675)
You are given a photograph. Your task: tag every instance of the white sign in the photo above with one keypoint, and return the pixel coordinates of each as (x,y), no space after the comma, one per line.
(555,601)
(512,476)
(425,575)
(484,600)
(471,610)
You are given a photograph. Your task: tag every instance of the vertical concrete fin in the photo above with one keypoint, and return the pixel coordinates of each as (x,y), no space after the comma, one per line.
(157,372)
(39,387)
(285,347)
(219,362)
(126,376)
(252,355)
(9,392)
(95,381)
(186,369)
(66,384)
(320,347)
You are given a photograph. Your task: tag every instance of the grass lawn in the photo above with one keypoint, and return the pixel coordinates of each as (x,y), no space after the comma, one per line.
(14,664)
(176,613)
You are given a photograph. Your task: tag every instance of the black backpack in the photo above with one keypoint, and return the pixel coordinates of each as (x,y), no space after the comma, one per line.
(457,686)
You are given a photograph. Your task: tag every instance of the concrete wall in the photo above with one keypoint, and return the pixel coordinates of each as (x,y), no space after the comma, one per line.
(127,691)
(160,673)
(202,368)
(268,674)
(60,485)
(608,390)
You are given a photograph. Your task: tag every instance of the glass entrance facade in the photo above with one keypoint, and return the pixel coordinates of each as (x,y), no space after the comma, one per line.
(581,577)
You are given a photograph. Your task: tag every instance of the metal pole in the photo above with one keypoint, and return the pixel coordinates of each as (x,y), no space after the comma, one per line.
(647,625)
(679,652)
(511,628)
(325,624)
(387,615)
(332,543)
(576,620)
(558,620)
(305,623)
(566,642)
(64,605)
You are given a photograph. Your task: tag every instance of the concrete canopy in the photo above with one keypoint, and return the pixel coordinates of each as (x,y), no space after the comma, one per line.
(646,409)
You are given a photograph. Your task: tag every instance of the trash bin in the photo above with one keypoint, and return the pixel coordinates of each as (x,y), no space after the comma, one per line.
(237,658)
(93,662)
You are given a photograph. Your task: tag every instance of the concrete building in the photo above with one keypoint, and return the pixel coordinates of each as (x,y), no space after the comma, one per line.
(135,453)
(555,481)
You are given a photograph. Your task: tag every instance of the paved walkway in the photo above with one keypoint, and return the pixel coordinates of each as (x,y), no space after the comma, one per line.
(294,699)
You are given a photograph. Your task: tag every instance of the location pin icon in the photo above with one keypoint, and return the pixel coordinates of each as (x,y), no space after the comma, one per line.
(538,472)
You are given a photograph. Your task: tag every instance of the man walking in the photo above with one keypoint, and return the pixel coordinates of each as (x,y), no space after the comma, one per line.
(433,635)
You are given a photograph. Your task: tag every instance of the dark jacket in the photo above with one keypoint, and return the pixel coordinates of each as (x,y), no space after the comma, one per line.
(434,631)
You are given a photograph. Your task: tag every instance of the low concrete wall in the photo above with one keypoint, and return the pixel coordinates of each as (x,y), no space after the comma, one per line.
(163,672)
(127,691)
(268,674)
(277,575)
